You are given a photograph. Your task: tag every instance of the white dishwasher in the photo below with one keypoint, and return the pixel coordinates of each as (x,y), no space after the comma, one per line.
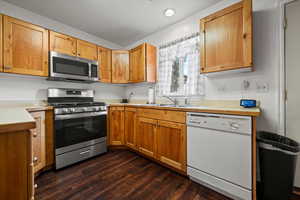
(219,153)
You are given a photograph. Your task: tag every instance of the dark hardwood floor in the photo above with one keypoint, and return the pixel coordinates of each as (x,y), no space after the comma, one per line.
(119,175)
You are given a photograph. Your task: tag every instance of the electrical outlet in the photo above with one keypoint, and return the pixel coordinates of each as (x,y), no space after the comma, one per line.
(262,87)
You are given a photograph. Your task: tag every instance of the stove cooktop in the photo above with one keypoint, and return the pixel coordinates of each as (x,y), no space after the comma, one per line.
(76,104)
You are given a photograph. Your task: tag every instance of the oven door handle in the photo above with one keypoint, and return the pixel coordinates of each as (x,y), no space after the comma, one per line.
(80,115)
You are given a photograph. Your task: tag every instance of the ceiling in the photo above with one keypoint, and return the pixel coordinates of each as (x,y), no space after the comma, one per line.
(119,21)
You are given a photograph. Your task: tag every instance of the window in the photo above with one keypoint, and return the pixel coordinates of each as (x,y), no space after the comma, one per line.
(179,68)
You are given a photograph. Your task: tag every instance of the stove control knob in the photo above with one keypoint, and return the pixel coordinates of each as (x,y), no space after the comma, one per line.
(66,110)
(72,109)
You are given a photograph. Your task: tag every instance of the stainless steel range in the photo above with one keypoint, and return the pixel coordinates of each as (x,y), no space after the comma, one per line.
(80,125)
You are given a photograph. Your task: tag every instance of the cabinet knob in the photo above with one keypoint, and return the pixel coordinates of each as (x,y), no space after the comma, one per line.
(78,54)
(35,134)
(35,186)
(35,159)
(74,52)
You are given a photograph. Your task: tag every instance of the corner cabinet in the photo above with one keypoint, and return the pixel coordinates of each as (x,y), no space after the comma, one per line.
(227,39)
(116,127)
(25,48)
(104,62)
(62,43)
(120,66)
(142,64)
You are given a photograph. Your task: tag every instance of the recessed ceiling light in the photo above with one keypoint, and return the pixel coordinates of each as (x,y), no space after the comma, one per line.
(169,12)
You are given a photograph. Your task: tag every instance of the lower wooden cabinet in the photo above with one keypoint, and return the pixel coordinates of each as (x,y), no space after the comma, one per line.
(146,136)
(130,128)
(38,141)
(116,121)
(163,139)
(171,144)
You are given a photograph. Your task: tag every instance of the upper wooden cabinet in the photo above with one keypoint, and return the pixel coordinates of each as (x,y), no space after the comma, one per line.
(171,144)
(227,38)
(120,66)
(1,41)
(87,50)
(142,64)
(38,141)
(104,62)
(25,48)
(116,120)
(62,43)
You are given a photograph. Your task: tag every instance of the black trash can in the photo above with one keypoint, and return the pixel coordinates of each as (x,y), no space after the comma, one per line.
(278,158)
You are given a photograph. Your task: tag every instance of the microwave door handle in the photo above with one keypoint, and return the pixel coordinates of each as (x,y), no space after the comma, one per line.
(80,115)
(90,70)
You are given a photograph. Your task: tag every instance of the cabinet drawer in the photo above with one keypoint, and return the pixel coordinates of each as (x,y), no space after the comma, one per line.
(115,108)
(130,109)
(167,115)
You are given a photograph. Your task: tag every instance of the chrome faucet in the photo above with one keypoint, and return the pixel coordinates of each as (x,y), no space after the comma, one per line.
(174,101)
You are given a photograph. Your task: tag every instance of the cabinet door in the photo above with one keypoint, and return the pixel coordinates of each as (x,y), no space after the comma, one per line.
(120,66)
(25,48)
(38,141)
(147,136)
(116,119)
(130,127)
(171,144)
(87,50)
(104,61)
(62,43)
(151,63)
(1,46)
(137,64)
(227,38)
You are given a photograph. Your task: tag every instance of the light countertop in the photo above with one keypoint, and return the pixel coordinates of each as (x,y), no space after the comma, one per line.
(217,109)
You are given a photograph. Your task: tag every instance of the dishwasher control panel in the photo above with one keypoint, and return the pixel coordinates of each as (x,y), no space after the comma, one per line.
(230,123)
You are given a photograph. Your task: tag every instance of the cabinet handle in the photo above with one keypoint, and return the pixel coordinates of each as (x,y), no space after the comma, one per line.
(35,159)
(7,67)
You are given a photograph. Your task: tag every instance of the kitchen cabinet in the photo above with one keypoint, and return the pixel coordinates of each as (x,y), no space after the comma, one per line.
(116,120)
(142,64)
(130,127)
(39,141)
(171,144)
(16,171)
(146,136)
(1,41)
(104,62)
(120,66)
(25,48)
(62,43)
(227,39)
(87,50)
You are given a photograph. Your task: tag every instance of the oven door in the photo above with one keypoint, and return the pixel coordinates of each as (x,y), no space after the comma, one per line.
(74,131)
(71,67)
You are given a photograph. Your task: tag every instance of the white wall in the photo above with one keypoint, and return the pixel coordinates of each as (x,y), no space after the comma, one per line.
(17,87)
(229,87)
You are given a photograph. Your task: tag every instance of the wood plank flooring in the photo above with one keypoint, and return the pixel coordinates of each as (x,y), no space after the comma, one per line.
(119,175)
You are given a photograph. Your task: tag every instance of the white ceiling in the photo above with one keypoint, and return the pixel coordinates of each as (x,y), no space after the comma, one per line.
(119,21)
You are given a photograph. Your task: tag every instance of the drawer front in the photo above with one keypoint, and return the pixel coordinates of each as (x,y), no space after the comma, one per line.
(166,115)
(112,108)
(131,109)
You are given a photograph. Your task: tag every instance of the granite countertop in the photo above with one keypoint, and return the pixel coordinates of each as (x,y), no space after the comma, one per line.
(217,109)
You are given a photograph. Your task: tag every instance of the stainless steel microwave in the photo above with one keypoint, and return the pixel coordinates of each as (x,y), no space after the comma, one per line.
(71,68)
